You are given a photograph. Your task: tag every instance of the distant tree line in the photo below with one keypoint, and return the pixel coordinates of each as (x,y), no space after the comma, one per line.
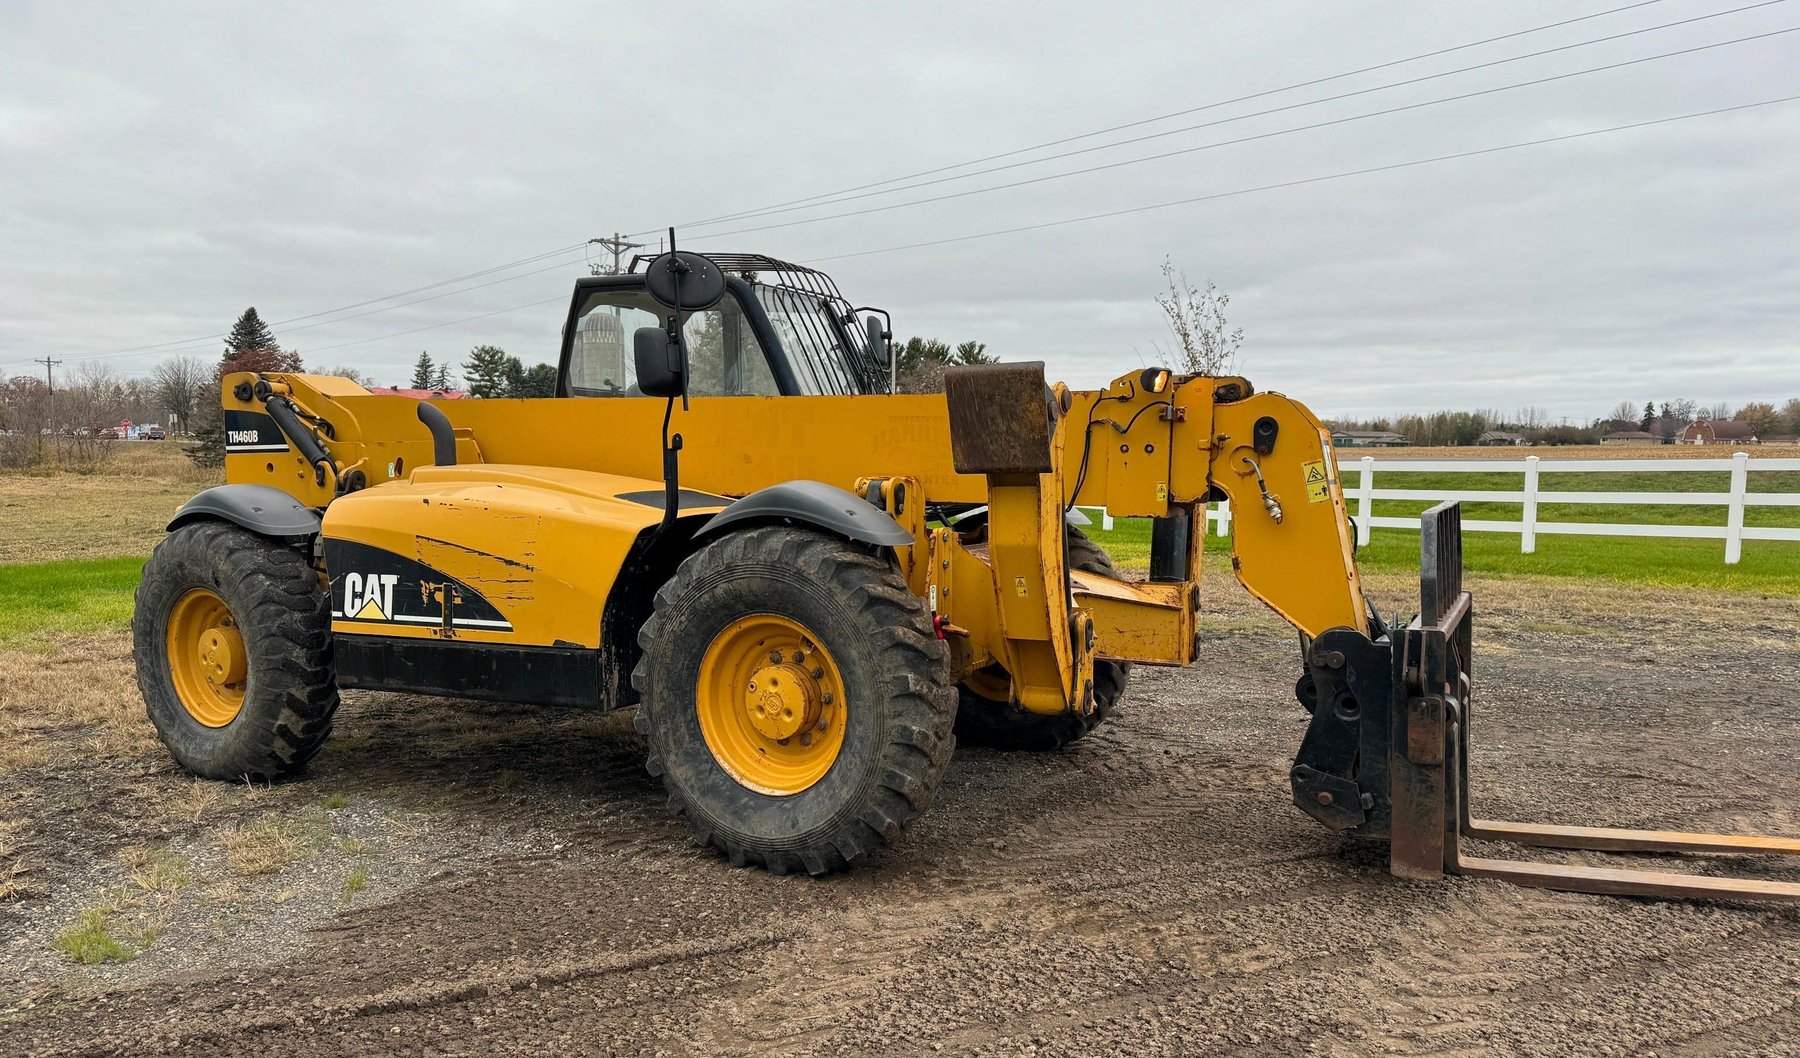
(1663,422)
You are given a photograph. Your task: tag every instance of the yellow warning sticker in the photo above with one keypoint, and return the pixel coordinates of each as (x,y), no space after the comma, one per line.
(1162,491)
(1318,486)
(1019,587)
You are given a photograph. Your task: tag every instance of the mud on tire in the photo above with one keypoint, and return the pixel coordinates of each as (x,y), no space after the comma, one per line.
(899,704)
(280,611)
(986,720)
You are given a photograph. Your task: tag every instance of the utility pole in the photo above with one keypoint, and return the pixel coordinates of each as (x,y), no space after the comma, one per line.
(49,384)
(618,245)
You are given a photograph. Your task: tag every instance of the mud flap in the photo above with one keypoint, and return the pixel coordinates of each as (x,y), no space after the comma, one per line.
(1390,735)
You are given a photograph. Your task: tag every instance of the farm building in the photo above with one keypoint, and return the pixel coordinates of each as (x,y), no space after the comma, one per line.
(1723,432)
(1630,437)
(1368,439)
(1500,439)
(418,394)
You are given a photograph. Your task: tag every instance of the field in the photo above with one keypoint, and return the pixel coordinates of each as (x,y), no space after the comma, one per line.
(469,878)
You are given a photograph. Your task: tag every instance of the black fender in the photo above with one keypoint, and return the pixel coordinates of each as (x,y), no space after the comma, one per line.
(261,509)
(814,503)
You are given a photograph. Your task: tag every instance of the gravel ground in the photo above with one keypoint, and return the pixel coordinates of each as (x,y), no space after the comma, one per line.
(1150,891)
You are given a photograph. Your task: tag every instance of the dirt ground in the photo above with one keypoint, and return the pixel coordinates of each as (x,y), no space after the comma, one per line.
(460,878)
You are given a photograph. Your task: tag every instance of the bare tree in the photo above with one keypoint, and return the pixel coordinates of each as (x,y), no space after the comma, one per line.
(178,383)
(351,373)
(1206,343)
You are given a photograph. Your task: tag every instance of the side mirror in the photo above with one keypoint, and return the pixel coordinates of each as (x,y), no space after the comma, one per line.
(658,363)
(879,347)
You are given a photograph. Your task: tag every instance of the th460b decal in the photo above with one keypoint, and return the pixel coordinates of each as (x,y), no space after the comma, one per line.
(252,431)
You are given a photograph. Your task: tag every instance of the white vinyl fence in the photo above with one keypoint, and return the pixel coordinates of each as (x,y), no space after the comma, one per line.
(1357,477)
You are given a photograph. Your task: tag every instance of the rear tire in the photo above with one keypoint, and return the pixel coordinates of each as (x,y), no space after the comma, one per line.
(987,719)
(231,635)
(889,706)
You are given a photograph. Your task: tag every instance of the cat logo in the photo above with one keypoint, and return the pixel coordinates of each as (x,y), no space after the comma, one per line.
(369,598)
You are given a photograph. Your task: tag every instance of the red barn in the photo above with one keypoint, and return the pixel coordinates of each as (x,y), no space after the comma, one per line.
(1722,432)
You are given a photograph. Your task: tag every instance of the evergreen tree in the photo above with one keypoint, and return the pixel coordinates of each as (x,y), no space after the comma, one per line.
(422,377)
(440,379)
(485,370)
(973,352)
(1649,415)
(539,381)
(248,333)
(521,381)
(513,373)
(250,346)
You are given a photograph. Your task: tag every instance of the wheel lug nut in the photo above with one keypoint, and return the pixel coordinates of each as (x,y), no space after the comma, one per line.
(825,698)
(818,673)
(775,656)
(806,740)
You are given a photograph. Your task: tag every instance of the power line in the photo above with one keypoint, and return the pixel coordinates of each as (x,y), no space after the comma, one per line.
(1246,139)
(448,323)
(200,342)
(345,308)
(1174,114)
(1308,180)
(1255,114)
(1178,202)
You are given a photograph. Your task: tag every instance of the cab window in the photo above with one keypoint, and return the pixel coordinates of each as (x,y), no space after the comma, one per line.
(724,357)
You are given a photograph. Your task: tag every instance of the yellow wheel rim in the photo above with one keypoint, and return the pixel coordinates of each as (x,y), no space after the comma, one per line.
(771,704)
(206,658)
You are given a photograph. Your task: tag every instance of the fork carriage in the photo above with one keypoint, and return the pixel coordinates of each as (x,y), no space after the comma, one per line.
(1387,756)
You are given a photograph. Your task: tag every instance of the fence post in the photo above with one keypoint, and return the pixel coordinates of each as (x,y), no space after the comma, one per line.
(1365,501)
(1734,513)
(1224,517)
(1528,529)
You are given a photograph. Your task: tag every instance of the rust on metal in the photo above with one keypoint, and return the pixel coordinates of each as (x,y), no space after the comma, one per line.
(999,418)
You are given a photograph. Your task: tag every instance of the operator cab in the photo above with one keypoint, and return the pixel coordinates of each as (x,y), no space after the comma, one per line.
(781,329)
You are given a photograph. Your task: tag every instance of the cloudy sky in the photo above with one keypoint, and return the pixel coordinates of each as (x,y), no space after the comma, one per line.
(163,166)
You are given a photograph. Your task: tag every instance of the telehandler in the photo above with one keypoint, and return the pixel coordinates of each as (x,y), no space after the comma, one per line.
(812,584)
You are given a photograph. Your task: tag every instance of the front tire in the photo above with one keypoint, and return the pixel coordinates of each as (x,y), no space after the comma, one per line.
(795,701)
(231,635)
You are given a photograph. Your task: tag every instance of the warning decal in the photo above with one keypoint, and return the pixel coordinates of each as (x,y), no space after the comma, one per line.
(1318,486)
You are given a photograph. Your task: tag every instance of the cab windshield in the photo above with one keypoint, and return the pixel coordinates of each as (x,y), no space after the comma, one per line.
(724,357)
(817,348)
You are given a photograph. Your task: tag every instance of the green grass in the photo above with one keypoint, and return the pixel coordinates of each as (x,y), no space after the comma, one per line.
(1622,481)
(1768,567)
(89,940)
(52,599)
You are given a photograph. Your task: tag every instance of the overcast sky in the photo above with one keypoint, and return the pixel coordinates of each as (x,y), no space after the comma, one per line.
(163,166)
